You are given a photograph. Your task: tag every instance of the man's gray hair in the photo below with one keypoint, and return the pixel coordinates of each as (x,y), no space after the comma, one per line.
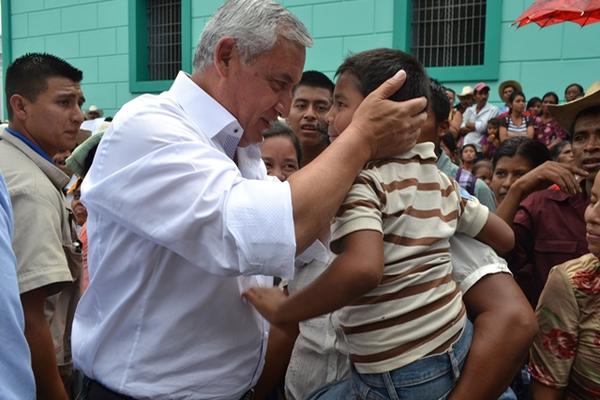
(255,26)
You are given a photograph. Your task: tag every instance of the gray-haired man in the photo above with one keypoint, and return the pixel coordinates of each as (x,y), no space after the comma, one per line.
(182,219)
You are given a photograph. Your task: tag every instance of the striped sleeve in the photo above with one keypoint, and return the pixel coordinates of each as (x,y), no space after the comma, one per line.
(361,210)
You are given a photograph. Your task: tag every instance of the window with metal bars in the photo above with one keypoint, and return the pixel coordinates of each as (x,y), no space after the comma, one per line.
(447,33)
(164,38)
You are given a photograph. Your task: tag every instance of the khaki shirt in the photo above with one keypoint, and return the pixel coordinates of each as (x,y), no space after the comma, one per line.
(43,235)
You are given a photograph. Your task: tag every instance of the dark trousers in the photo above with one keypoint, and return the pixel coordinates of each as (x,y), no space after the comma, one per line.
(93,390)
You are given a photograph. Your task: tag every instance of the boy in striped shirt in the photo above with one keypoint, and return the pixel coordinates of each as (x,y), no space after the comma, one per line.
(401,312)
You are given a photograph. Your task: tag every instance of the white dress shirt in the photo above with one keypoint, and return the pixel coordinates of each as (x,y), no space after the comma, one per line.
(176,230)
(480,119)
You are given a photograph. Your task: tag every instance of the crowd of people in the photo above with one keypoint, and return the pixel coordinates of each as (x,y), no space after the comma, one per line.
(260,232)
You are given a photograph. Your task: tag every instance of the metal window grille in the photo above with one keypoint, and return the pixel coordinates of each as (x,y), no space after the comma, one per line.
(448,32)
(164,38)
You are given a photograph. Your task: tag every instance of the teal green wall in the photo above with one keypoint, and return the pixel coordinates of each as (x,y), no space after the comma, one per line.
(93,35)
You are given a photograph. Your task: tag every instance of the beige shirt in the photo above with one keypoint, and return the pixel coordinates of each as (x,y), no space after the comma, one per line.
(43,235)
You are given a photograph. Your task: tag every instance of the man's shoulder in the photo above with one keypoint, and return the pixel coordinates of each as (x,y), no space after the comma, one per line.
(550,195)
(21,173)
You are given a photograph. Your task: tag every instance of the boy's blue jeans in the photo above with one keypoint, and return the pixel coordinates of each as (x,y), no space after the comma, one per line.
(432,377)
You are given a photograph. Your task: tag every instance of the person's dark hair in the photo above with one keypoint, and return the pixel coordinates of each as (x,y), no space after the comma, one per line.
(447,89)
(514,95)
(555,151)
(471,145)
(485,163)
(439,101)
(530,149)
(316,79)
(28,75)
(449,141)
(551,94)
(532,101)
(494,122)
(278,128)
(579,87)
(373,67)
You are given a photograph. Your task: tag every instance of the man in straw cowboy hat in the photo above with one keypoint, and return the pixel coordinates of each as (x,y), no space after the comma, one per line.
(549,225)
(505,89)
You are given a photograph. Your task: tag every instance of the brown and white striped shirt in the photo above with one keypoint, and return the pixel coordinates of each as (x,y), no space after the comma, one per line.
(417,309)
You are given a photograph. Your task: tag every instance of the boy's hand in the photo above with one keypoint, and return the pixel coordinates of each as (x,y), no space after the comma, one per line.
(268,302)
(389,127)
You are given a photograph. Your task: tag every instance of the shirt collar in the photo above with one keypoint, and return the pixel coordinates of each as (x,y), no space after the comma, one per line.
(29,143)
(211,117)
(58,178)
(423,150)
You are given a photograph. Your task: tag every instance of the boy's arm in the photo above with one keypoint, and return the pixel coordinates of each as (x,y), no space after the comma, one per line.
(497,234)
(356,271)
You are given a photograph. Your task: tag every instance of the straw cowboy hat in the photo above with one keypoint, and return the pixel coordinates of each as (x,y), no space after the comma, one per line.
(566,113)
(516,85)
(466,91)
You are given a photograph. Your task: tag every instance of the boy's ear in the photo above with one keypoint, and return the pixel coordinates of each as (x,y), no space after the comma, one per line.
(443,127)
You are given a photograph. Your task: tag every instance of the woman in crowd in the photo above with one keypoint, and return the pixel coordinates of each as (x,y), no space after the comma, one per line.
(546,129)
(562,152)
(514,159)
(534,106)
(565,356)
(281,151)
(516,122)
(468,156)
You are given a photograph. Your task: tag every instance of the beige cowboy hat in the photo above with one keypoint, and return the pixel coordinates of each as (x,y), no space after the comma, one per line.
(466,91)
(566,113)
(512,83)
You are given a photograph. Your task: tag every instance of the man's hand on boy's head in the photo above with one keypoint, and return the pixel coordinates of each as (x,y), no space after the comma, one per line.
(268,302)
(389,127)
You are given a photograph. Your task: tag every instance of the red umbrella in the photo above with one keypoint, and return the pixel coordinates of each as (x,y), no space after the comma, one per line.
(550,12)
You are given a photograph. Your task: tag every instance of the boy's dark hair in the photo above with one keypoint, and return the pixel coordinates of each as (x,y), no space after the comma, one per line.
(438,101)
(28,75)
(373,67)
(316,79)
(278,128)
(494,122)
(532,150)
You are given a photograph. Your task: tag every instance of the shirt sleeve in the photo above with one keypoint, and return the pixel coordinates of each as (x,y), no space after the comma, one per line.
(555,346)
(468,116)
(37,242)
(473,216)
(472,260)
(171,187)
(361,210)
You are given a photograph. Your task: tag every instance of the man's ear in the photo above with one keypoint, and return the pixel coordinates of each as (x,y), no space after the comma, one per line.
(443,127)
(225,53)
(18,105)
